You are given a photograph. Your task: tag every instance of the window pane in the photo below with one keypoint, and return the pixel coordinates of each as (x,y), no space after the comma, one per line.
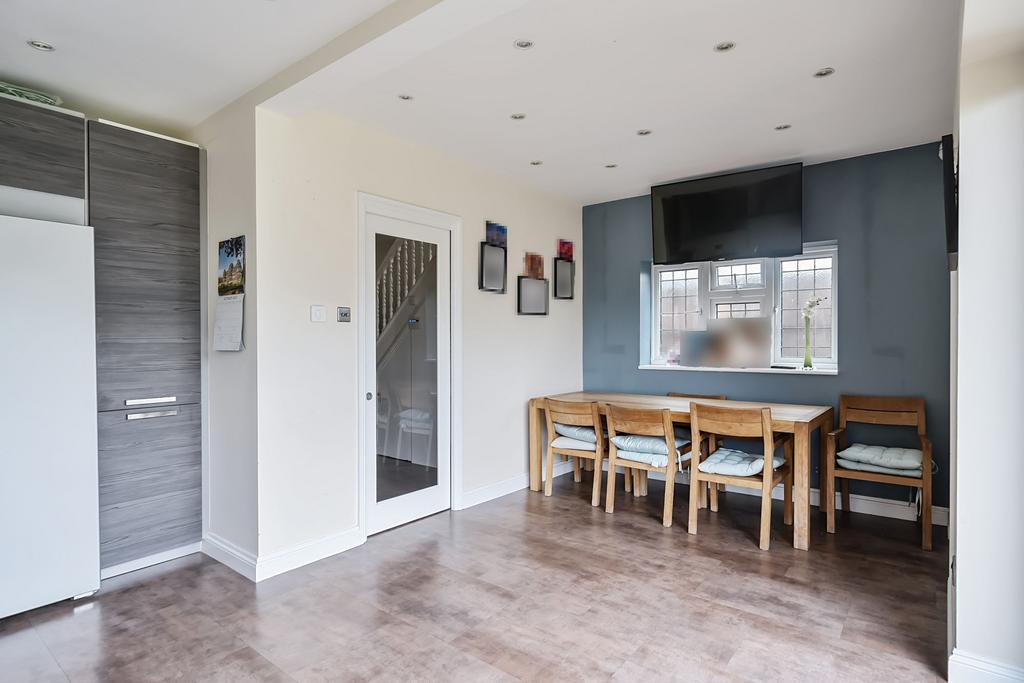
(753,268)
(822,319)
(823,337)
(789,281)
(806,264)
(821,353)
(666,322)
(823,263)
(792,338)
(691,287)
(789,266)
(789,300)
(790,318)
(823,278)
(679,275)
(791,352)
(804,295)
(666,288)
(741,280)
(806,279)
(724,312)
(680,321)
(691,304)
(692,320)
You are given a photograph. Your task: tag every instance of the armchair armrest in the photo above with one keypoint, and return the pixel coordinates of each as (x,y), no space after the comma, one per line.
(835,433)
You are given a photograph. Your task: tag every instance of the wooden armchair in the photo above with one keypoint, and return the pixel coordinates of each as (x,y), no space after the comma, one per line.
(644,441)
(574,430)
(882,464)
(728,466)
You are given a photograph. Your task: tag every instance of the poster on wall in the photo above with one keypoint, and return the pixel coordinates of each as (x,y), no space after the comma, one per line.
(228,314)
(231,266)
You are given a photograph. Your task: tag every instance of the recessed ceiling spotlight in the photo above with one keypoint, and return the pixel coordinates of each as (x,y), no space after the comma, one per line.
(827,71)
(725,46)
(41,46)
(643,132)
(536,162)
(610,165)
(523,44)
(783,126)
(405,97)
(518,117)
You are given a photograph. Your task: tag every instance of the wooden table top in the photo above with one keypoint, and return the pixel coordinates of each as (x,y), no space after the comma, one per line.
(680,407)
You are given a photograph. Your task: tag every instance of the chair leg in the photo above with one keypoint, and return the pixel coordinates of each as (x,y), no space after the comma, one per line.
(576,476)
(695,488)
(643,482)
(588,465)
(609,496)
(550,473)
(787,497)
(787,486)
(829,494)
(704,496)
(595,498)
(844,494)
(926,514)
(636,482)
(714,497)
(766,517)
(670,493)
(628,479)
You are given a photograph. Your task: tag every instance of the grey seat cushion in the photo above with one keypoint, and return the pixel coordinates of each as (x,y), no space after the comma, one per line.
(574,444)
(735,463)
(635,443)
(886,457)
(865,467)
(576,432)
(652,459)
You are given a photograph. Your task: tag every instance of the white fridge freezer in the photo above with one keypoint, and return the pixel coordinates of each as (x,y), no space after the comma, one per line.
(49,496)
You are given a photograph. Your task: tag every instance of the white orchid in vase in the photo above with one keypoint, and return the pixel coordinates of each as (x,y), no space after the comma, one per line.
(808,313)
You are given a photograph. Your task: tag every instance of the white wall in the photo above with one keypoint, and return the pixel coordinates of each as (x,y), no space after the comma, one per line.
(309,171)
(990,468)
(229,454)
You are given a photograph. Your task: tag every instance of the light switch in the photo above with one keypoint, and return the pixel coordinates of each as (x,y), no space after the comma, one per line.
(317,314)
(344,314)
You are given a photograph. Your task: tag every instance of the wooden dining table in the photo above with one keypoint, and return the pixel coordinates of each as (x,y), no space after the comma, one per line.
(798,420)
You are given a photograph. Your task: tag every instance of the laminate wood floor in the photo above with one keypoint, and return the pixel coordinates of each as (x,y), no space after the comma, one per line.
(523,587)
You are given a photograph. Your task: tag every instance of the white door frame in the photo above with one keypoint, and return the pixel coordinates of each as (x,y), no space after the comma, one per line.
(365,323)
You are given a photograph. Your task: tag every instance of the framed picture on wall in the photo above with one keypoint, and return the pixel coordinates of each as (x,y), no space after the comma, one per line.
(532,296)
(493,267)
(565,276)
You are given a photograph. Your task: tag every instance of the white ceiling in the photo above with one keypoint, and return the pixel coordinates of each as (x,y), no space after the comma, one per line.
(166,64)
(601,69)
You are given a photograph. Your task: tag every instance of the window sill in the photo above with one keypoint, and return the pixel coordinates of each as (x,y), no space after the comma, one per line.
(800,372)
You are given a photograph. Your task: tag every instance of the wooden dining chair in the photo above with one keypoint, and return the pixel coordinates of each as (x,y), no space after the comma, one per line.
(882,464)
(685,433)
(574,430)
(644,441)
(738,468)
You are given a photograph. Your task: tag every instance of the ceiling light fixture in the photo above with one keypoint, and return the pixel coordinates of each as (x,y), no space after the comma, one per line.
(536,162)
(783,126)
(610,165)
(725,46)
(822,73)
(518,117)
(643,132)
(41,45)
(405,97)
(523,44)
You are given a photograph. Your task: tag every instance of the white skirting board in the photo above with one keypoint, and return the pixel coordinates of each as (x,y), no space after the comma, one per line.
(150,560)
(502,488)
(965,667)
(260,568)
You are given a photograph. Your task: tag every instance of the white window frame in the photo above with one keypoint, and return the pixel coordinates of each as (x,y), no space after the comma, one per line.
(811,250)
(769,296)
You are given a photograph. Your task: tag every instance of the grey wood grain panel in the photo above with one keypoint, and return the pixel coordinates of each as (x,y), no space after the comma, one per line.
(41,149)
(144,208)
(150,482)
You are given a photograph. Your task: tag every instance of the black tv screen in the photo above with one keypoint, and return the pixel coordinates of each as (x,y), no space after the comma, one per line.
(752,214)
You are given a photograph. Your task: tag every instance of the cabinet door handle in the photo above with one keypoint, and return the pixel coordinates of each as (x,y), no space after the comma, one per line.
(144,401)
(145,416)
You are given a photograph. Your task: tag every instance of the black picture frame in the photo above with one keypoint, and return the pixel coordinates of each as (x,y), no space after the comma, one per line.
(527,286)
(488,251)
(559,268)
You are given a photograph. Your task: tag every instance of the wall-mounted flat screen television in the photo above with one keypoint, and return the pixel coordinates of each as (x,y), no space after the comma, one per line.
(751,214)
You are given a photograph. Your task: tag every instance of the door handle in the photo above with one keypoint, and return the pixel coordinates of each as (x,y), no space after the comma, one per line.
(145,416)
(369,396)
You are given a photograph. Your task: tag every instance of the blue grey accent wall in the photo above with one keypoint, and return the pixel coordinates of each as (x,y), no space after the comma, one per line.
(886,212)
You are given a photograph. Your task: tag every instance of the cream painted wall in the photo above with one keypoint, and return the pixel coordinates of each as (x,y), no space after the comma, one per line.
(309,171)
(230,510)
(990,471)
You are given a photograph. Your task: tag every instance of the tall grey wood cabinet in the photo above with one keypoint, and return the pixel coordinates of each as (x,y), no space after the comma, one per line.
(143,204)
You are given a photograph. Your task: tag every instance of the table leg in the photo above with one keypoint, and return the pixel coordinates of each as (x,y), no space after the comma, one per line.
(825,428)
(802,487)
(534,437)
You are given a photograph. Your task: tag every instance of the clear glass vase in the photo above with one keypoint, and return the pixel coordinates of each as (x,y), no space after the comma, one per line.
(808,362)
